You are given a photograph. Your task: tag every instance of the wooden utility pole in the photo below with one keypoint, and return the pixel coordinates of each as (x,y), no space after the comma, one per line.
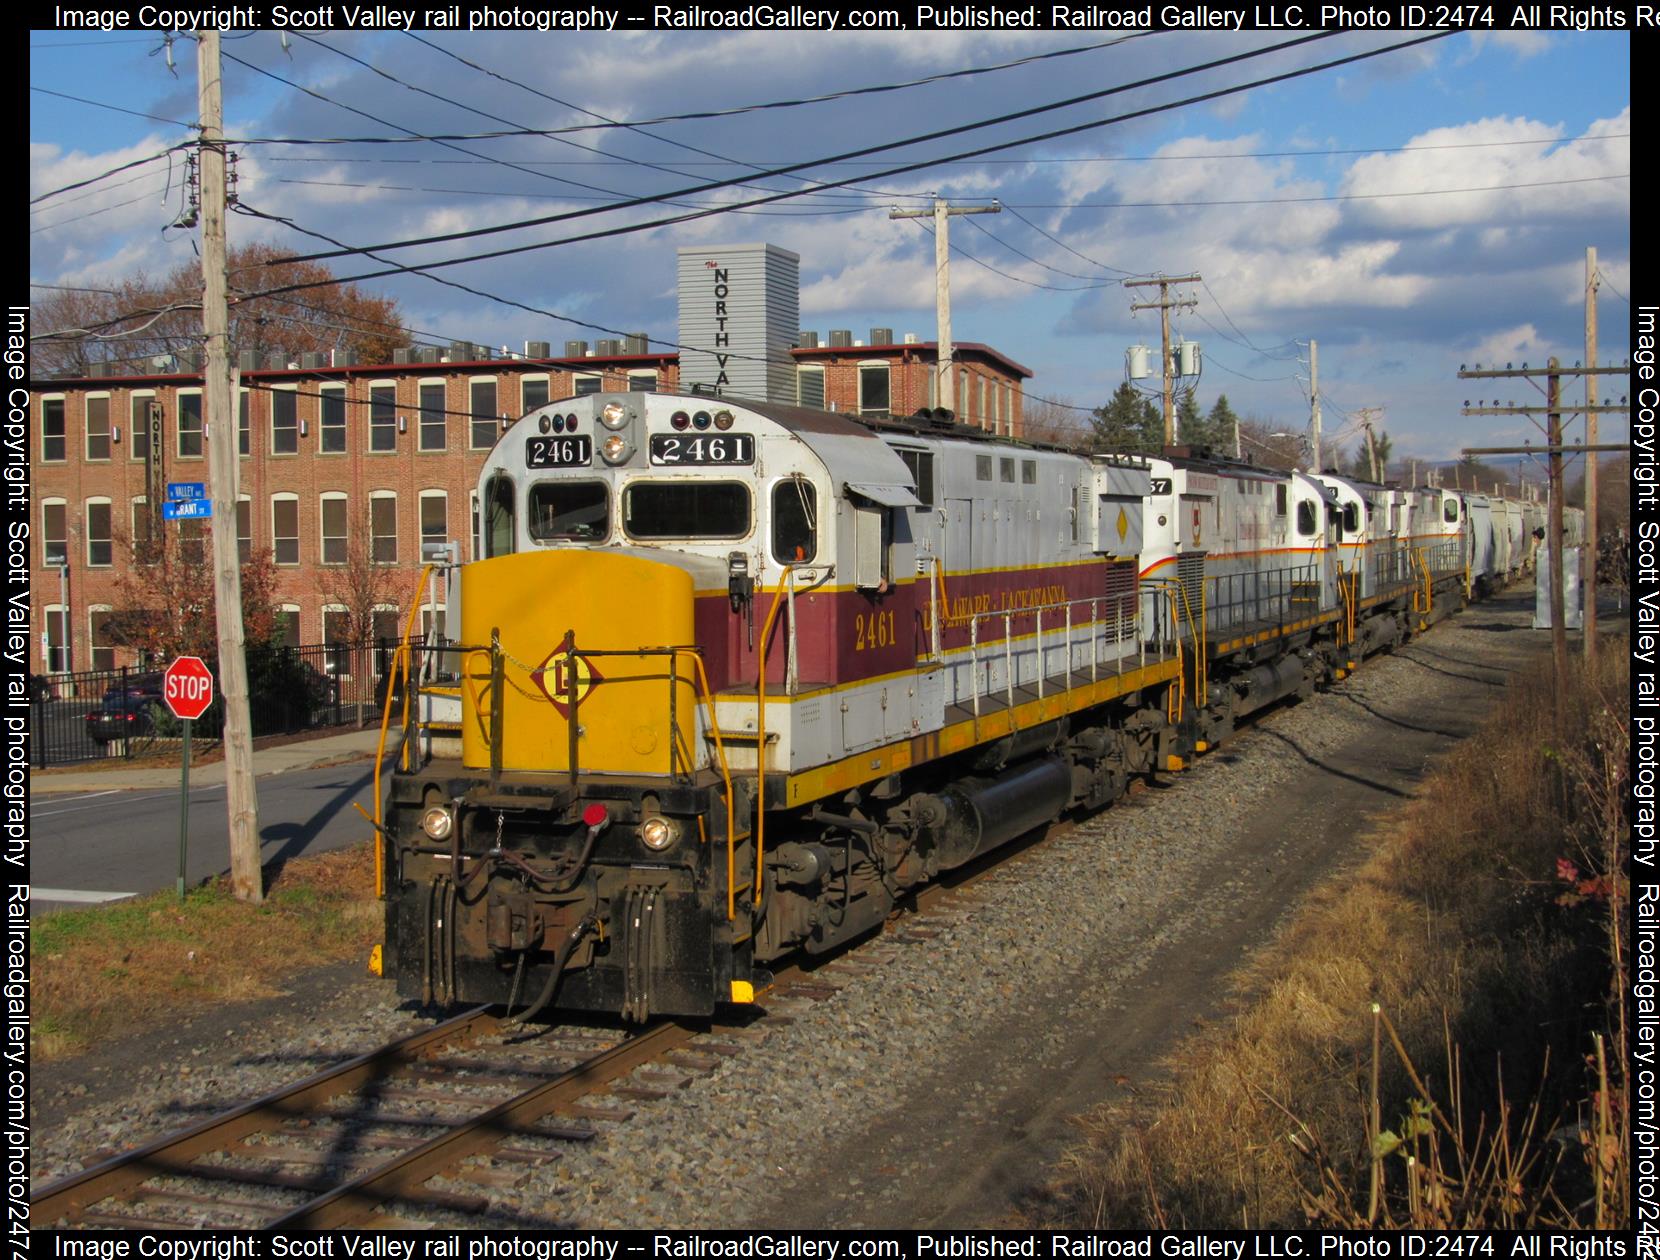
(1314,398)
(1164,306)
(242,802)
(1366,414)
(1590,456)
(1553,374)
(941,214)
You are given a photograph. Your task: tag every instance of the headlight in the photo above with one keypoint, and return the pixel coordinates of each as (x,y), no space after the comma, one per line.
(658,833)
(616,448)
(613,415)
(438,822)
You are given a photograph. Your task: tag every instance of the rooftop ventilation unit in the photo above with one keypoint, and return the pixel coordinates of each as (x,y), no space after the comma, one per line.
(463,352)
(576,349)
(841,337)
(247,360)
(635,343)
(539,350)
(807,339)
(881,336)
(343,358)
(314,359)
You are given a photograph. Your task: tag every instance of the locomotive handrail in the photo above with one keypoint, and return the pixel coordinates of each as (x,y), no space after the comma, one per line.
(726,778)
(400,658)
(761,740)
(1036,612)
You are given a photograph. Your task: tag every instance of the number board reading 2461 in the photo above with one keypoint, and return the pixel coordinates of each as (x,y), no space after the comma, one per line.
(572,451)
(712,448)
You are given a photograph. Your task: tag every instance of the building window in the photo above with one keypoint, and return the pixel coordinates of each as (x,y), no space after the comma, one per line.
(54,528)
(193,541)
(383,418)
(190,426)
(434,435)
(333,512)
(533,393)
(139,427)
(285,422)
(285,528)
(101,650)
(331,422)
(809,387)
(141,531)
(435,522)
(57,640)
(874,393)
(383,528)
(581,385)
(98,427)
(244,528)
(244,427)
(286,627)
(336,627)
(53,447)
(483,397)
(100,547)
(642,382)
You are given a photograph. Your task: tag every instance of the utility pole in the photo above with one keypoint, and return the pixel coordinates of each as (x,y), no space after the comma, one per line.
(1314,397)
(247,882)
(1590,456)
(1366,414)
(941,214)
(1553,374)
(1164,306)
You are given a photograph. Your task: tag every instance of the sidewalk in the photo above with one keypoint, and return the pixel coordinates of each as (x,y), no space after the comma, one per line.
(279,759)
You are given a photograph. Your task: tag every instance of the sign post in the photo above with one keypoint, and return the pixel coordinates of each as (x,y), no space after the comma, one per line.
(187,687)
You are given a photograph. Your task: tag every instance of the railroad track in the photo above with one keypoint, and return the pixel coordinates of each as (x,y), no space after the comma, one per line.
(471,1100)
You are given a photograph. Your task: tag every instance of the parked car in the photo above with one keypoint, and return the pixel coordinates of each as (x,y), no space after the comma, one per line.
(40,689)
(324,689)
(122,715)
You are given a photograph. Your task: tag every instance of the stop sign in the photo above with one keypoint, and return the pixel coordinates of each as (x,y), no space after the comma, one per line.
(187,687)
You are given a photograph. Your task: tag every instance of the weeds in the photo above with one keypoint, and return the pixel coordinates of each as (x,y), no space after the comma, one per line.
(1426,1046)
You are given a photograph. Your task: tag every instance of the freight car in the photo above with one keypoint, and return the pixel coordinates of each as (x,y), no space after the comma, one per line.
(728,678)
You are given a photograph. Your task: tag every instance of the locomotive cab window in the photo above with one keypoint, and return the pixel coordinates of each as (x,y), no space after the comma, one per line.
(921,464)
(498,517)
(1279,500)
(567,510)
(794,521)
(686,509)
(1308,524)
(1351,518)
(1449,511)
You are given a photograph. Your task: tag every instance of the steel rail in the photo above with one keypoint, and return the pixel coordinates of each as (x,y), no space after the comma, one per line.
(172,1155)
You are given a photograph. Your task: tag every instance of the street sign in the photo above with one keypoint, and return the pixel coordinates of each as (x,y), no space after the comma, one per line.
(187,687)
(187,490)
(189,510)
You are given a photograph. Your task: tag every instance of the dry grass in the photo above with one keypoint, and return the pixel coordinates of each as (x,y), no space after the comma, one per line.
(108,970)
(1491,978)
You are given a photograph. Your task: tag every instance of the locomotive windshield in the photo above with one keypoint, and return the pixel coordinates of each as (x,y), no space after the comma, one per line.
(794,521)
(686,509)
(569,510)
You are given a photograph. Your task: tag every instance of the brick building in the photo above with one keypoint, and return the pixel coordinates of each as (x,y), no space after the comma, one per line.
(388,454)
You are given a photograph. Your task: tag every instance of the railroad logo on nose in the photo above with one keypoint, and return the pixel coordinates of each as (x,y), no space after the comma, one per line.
(553,676)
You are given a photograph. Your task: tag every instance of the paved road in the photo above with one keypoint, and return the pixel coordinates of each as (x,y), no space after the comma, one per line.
(101,845)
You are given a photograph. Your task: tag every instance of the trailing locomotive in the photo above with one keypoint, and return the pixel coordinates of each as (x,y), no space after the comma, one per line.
(730,677)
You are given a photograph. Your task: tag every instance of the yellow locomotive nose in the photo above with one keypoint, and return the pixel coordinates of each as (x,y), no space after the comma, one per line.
(577,651)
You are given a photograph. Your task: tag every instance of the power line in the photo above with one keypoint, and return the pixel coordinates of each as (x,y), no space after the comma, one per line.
(114,170)
(1008,275)
(1099,282)
(442,238)
(119,109)
(57,223)
(1278,201)
(531,196)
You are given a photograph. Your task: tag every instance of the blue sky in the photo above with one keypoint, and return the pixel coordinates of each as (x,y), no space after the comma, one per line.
(1399,283)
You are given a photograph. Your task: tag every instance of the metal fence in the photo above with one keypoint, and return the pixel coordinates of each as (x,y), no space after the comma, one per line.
(119,713)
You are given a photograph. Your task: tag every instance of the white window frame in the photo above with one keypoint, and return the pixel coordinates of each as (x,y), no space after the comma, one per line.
(63,401)
(382,496)
(473,417)
(92,647)
(293,391)
(244,422)
(63,650)
(533,378)
(178,424)
(442,496)
(425,383)
(45,556)
(86,523)
(805,373)
(639,374)
(579,379)
(871,365)
(243,556)
(372,428)
(86,427)
(323,537)
(278,538)
(282,610)
(138,425)
(329,392)
(138,505)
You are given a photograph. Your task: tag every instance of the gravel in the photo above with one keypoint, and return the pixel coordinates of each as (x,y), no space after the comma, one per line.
(1026,974)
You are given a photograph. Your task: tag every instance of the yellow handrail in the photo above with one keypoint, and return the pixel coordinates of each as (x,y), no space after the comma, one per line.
(726,778)
(761,736)
(400,659)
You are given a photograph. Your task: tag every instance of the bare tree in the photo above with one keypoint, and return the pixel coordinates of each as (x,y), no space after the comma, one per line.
(1057,421)
(164,595)
(359,588)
